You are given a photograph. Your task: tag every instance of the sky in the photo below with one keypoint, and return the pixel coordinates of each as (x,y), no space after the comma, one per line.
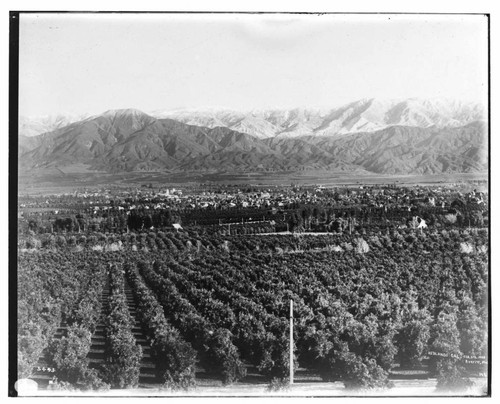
(89,63)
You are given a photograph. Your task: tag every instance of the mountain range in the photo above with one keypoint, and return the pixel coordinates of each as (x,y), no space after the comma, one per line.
(410,137)
(367,115)
(36,125)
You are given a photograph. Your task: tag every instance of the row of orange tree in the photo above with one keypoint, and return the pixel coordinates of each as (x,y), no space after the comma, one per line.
(364,302)
(364,311)
(56,288)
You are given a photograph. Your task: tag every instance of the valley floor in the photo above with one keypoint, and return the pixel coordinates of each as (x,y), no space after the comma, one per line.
(48,181)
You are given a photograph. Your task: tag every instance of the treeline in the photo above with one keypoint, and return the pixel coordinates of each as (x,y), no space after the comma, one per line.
(200,239)
(311,217)
(108,221)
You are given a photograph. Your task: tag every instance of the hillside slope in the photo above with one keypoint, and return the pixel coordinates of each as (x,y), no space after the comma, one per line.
(130,140)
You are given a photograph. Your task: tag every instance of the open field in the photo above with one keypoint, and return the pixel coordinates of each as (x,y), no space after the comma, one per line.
(56,180)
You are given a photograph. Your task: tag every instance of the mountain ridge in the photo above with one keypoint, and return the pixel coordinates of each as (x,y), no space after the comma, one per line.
(130,140)
(366,115)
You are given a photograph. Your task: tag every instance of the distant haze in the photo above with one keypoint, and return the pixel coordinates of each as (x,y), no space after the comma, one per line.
(89,63)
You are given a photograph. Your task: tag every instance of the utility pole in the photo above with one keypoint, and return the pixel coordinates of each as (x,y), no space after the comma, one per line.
(291,341)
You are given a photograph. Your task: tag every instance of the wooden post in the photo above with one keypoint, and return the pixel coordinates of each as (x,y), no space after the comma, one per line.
(291,341)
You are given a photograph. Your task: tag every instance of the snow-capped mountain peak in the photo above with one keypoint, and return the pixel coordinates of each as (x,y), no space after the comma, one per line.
(366,115)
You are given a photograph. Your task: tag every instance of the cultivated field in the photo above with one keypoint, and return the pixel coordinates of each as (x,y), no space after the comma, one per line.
(112,296)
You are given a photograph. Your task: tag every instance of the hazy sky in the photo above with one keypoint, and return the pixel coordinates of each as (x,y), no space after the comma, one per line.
(89,63)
